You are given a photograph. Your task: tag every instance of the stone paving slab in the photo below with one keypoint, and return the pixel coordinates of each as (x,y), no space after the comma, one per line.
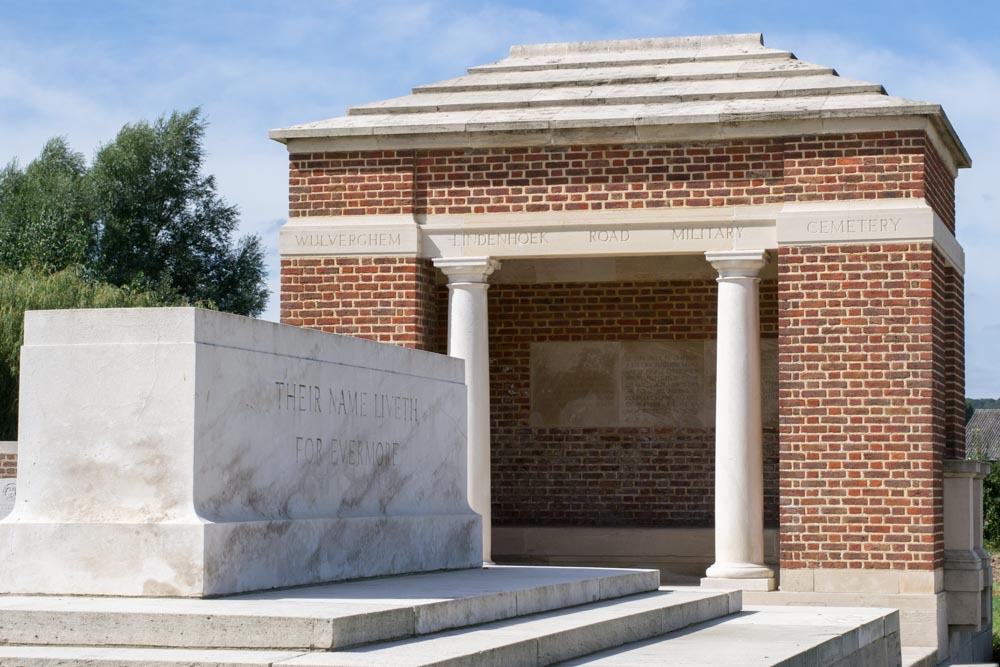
(325,616)
(762,636)
(64,656)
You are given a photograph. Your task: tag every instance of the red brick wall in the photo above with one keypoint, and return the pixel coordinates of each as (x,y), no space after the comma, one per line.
(871,336)
(8,465)
(949,355)
(939,188)
(861,442)
(608,476)
(874,165)
(388,299)
(357,183)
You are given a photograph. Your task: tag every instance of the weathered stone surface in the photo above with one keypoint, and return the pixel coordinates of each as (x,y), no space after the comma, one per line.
(673,87)
(668,383)
(8,491)
(212,454)
(323,617)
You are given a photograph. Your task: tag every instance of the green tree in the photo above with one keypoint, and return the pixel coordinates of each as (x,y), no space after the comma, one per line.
(991,509)
(143,215)
(36,289)
(46,211)
(161,223)
(983,403)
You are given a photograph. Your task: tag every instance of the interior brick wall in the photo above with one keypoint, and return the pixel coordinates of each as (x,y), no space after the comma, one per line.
(603,476)
(861,436)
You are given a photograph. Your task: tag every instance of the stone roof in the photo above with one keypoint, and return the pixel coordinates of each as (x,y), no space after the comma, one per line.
(982,435)
(644,89)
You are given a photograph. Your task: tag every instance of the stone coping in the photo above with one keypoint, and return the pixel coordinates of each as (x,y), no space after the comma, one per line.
(627,91)
(132,326)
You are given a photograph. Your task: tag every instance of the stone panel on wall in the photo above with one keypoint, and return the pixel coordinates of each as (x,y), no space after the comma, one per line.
(661,383)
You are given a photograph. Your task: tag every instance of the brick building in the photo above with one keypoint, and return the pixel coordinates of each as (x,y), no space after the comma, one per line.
(710,302)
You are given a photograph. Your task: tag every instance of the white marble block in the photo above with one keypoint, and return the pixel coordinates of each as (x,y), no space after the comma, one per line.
(184,452)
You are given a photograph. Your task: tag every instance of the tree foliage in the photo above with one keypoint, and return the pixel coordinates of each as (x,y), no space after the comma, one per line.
(46,211)
(991,508)
(35,289)
(143,215)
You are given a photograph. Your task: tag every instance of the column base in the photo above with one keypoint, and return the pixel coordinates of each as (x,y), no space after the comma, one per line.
(743,576)
(753,584)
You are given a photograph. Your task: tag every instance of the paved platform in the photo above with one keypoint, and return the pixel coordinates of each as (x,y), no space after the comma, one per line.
(503,616)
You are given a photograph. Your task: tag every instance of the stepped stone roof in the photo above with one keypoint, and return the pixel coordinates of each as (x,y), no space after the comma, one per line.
(982,435)
(705,87)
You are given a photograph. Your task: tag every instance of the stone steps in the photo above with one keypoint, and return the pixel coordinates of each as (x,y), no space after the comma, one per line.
(495,616)
(542,639)
(761,636)
(754,637)
(536,639)
(325,617)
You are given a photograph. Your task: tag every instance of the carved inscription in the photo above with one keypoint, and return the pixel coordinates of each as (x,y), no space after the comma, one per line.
(707,233)
(609,236)
(636,383)
(335,451)
(344,401)
(853,226)
(467,239)
(8,492)
(349,240)
(347,403)
(664,384)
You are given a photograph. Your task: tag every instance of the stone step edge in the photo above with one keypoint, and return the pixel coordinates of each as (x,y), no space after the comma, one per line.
(25,627)
(507,648)
(871,639)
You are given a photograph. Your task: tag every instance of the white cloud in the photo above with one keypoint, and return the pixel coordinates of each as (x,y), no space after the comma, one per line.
(256,66)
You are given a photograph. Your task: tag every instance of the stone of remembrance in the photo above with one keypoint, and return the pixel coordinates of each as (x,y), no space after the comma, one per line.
(184,452)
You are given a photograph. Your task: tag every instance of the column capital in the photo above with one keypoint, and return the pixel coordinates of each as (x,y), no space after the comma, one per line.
(737,263)
(466,269)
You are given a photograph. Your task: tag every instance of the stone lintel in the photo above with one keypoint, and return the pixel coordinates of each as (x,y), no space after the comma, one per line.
(680,231)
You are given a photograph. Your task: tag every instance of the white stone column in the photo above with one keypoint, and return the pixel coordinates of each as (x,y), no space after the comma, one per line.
(468,339)
(739,454)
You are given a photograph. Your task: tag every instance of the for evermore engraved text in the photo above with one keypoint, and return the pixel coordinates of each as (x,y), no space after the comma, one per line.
(352,404)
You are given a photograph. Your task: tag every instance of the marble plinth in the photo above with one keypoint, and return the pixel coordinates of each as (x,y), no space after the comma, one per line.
(184,452)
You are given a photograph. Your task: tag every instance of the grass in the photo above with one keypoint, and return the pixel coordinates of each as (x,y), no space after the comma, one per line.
(996,619)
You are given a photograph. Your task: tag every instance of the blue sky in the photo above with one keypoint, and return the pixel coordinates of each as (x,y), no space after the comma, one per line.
(83,69)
